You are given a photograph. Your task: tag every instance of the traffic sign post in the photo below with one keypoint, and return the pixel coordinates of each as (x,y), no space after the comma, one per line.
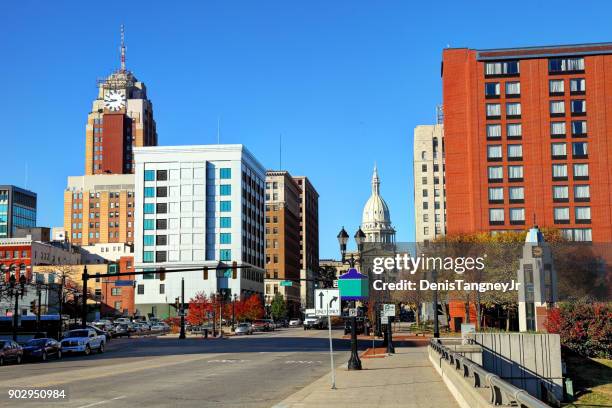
(388,310)
(327,303)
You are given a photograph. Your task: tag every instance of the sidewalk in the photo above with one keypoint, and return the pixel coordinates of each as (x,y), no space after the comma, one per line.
(405,379)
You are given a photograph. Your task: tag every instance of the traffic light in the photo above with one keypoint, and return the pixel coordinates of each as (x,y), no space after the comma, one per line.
(234,270)
(176,302)
(162,276)
(33,306)
(205,273)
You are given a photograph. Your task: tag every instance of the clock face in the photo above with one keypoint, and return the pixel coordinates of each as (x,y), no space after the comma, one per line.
(114,99)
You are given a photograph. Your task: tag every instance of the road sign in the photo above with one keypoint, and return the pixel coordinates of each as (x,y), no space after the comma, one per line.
(124,283)
(286,283)
(352,312)
(388,309)
(384,320)
(327,302)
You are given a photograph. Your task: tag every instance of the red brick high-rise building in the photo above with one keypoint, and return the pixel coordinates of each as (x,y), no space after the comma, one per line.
(528,137)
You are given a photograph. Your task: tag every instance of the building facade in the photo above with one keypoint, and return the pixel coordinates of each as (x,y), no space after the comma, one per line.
(17,209)
(309,239)
(99,209)
(526,139)
(197,207)
(429,183)
(283,259)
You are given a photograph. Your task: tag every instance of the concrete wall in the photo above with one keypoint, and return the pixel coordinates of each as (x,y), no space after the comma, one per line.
(524,359)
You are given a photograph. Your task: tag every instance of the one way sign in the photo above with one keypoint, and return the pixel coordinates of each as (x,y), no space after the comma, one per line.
(327,302)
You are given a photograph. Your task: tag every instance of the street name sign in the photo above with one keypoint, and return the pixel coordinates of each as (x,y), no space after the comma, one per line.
(327,302)
(286,283)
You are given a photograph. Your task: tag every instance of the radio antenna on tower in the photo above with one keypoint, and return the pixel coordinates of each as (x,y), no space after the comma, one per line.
(122,48)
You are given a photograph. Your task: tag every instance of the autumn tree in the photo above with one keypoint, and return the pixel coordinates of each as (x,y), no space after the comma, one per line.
(199,307)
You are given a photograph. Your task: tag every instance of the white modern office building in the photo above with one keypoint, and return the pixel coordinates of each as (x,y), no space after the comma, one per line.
(197,207)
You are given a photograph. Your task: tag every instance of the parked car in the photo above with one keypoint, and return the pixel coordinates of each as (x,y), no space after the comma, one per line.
(10,351)
(42,349)
(121,330)
(261,325)
(295,322)
(160,327)
(271,324)
(100,332)
(243,328)
(314,322)
(83,341)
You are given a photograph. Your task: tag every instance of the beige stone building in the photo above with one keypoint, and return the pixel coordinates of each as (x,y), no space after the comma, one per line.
(429,182)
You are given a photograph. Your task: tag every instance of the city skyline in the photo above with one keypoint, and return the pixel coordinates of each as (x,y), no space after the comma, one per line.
(346,87)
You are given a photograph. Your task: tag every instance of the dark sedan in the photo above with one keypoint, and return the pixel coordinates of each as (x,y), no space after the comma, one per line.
(42,349)
(10,351)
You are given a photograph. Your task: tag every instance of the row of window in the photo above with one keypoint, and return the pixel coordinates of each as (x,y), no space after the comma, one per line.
(13,254)
(515,130)
(555,66)
(579,150)
(514,152)
(561,215)
(185,174)
(185,239)
(185,254)
(557,109)
(559,172)
(582,193)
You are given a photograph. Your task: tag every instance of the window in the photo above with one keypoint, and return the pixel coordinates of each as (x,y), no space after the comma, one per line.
(149,224)
(561,215)
(557,108)
(559,171)
(162,175)
(149,192)
(493,110)
(513,109)
(423,168)
(580,150)
(424,180)
(225,255)
(225,173)
(162,288)
(225,222)
(560,65)
(492,89)
(425,230)
(578,107)
(494,152)
(516,194)
(581,171)
(515,173)
(515,152)
(557,129)
(577,86)
(517,216)
(225,189)
(496,173)
(225,206)
(513,88)
(225,238)
(116,291)
(425,217)
(560,194)
(161,224)
(583,215)
(425,205)
(148,240)
(582,192)
(147,256)
(514,130)
(149,175)
(424,192)
(160,256)
(579,128)
(162,191)
(558,150)
(502,68)
(494,131)
(496,195)
(149,208)
(556,87)
(140,289)
(162,208)
(496,216)
(161,240)
(583,234)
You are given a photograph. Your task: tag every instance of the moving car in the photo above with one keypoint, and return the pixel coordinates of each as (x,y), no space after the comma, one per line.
(295,322)
(83,341)
(311,321)
(244,328)
(262,325)
(42,349)
(10,351)
(100,332)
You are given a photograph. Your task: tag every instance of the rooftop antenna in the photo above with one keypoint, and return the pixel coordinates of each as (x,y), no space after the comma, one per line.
(122,48)
(218,130)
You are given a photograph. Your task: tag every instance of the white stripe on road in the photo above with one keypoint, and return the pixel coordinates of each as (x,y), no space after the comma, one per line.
(102,402)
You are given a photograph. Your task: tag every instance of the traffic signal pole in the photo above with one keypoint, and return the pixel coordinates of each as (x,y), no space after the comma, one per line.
(182,335)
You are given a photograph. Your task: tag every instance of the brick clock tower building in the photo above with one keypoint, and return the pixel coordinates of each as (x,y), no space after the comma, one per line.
(98,207)
(527,138)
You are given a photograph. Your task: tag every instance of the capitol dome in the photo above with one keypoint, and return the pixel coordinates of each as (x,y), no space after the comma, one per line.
(376,218)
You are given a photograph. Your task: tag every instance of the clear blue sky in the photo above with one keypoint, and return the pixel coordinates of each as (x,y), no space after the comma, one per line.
(344,82)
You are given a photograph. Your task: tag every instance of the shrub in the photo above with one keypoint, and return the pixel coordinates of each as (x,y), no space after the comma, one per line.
(584,327)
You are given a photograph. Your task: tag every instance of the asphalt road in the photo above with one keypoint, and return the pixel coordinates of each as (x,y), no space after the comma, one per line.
(246,371)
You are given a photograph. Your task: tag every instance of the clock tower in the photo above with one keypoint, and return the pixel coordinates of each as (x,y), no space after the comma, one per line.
(121,118)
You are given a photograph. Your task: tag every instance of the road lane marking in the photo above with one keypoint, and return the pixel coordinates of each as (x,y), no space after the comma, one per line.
(102,402)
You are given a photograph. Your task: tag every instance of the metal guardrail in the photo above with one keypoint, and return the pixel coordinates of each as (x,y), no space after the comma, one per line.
(502,392)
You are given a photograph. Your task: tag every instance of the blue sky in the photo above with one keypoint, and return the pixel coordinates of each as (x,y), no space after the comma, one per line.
(344,82)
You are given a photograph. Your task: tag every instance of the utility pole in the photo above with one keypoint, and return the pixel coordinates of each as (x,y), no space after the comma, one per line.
(182,335)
